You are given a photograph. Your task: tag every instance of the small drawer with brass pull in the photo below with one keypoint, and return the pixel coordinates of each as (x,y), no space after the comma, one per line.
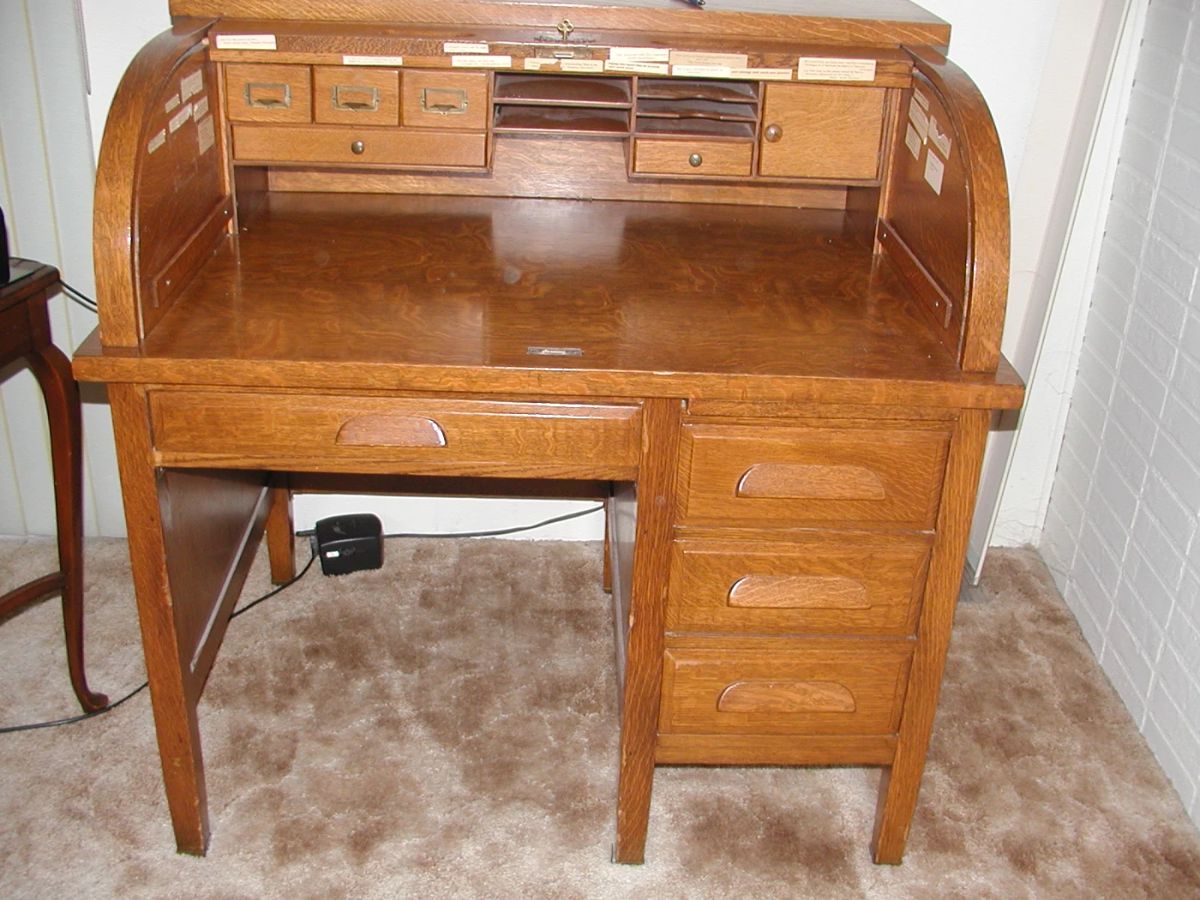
(268,93)
(445,99)
(352,95)
(654,156)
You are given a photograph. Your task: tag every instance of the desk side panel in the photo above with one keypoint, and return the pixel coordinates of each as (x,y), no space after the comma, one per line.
(162,199)
(945,222)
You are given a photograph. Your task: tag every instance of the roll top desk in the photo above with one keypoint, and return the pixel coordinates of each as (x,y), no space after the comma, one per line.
(742,268)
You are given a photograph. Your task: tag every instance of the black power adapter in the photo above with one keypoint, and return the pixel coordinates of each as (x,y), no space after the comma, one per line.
(349,543)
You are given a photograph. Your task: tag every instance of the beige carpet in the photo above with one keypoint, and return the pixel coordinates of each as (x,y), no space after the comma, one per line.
(445,728)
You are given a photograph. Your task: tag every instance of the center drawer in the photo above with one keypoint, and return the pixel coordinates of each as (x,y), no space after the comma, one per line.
(359,146)
(418,436)
(811,476)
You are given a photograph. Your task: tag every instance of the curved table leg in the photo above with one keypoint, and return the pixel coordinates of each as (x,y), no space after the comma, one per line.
(61,394)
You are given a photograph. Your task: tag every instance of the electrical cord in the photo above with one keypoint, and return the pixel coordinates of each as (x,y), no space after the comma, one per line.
(79,297)
(499,532)
(70,720)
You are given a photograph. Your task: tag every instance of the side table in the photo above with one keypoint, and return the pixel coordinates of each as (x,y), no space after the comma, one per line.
(25,335)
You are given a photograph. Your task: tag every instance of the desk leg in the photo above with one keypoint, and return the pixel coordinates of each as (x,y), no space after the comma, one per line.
(53,373)
(174,703)
(902,780)
(281,533)
(643,672)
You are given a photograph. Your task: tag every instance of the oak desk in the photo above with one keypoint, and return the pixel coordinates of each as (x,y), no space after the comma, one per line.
(746,265)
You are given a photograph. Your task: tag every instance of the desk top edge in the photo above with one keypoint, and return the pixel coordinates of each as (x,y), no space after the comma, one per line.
(876,22)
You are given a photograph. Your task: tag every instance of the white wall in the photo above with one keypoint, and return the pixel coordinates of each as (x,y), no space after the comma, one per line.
(1004,48)
(46,190)
(1121,531)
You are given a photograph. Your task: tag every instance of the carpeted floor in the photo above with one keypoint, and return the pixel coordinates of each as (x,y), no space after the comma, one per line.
(446,728)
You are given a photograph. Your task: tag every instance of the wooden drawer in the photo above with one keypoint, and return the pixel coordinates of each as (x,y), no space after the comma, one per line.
(355,95)
(842,584)
(691,157)
(268,93)
(821,131)
(783,686)
(798,476)
(417,436)
(445,99)
(358,146)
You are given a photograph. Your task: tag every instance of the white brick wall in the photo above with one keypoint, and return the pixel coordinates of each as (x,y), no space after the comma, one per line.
(1121,530)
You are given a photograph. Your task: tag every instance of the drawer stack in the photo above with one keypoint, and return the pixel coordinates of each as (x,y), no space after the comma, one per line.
(360,116)
(797,573)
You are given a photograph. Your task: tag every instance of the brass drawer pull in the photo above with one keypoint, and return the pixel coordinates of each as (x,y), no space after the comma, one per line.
(358,148)
(786,697)
(444,101)
(695,160)
(344,97)
(382,430)
(268,94)
(773,133)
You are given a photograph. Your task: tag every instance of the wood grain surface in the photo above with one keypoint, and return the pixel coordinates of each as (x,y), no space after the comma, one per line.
(450,293)
(886,22)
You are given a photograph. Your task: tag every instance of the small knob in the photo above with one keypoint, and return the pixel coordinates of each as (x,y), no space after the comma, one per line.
(358,147)
(773,133)
(695,160)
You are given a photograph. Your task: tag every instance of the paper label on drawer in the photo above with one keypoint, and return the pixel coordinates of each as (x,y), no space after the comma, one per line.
(764,74)
(171,104)
(919,119)
(701,58)
(466,47)
(640,68)
(690,71)
(191,84)
(178,120)
(912,141)
(540,62)
(639,54)
(372,60)
(935,170)
(581,65)
(481,62)
(157,141)
(940,139)
(206,134)
(200,107)
(245,42)
(820,68)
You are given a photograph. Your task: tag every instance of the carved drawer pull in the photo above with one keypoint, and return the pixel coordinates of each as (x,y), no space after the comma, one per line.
(798,592)
(786,697)
(268,94)
(390,431)
(355,98)
(808,482)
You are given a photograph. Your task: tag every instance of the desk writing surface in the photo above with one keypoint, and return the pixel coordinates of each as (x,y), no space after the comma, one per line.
(664,291)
